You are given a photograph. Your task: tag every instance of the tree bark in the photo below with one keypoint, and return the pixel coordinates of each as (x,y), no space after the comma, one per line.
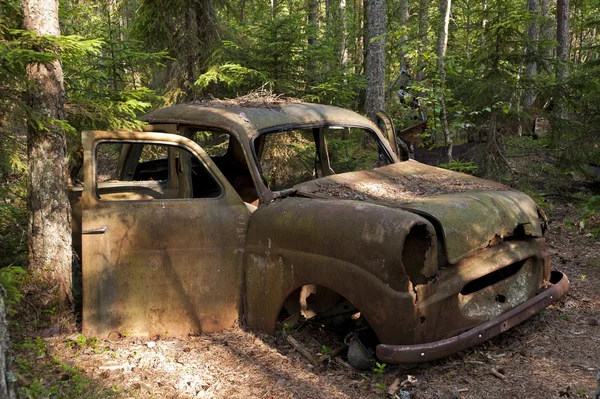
(546,27)
(531,51)
(343,37)
(375,68)
(7,386)
(423,39)
(49,213)
(313,9)
(562,53)
(404,11)
(442,45)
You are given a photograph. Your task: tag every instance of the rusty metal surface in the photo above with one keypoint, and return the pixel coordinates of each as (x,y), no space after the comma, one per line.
(421,353)
(245,121)
(352,248)
(399,242)
(163,266)
(471,211)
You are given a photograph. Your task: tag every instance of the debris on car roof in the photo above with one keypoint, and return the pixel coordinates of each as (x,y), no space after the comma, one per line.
(260,98)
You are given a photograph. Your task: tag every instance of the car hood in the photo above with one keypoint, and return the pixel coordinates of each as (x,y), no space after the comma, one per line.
(472,213)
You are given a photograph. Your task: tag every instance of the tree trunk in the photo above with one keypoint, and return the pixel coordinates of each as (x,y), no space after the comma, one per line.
(313,8)
(442,44)
(343,37)
(193,46)
(49,213)
(423,39)
(404,38)
(546,27)
(531,51)
(375,68)
(7,385)
(563,37)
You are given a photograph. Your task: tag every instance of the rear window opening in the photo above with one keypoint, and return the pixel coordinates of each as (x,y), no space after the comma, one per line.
(493,278)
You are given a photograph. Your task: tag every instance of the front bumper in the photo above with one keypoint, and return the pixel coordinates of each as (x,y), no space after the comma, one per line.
(421,353)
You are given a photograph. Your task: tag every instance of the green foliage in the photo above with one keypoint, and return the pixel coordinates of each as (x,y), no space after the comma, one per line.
(13,220)
(458,165)
(11,278)
(379,368)
(591,207)
(234,76)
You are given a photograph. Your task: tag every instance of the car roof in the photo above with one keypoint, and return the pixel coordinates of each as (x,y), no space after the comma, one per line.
(247,120)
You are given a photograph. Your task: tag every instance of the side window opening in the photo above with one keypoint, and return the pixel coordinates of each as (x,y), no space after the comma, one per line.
(214,142)
(287,158)
(295,156)
(352,149)
(226,152)
(144,171)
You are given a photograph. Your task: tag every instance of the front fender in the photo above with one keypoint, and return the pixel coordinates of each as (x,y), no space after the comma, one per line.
(353,248)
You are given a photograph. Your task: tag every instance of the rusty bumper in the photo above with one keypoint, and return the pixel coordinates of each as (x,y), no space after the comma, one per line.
(421,353)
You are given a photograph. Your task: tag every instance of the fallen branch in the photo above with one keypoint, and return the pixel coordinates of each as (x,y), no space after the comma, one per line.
(332,354)
(291,321)
(302,350)
(497,374)
(343,363)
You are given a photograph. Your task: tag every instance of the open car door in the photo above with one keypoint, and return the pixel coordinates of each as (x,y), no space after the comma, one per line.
(385,123)
(162,248)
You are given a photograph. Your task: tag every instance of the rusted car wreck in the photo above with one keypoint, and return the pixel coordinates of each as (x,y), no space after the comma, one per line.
(220,213)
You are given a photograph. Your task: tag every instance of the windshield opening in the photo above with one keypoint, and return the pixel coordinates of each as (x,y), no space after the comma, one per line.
(295,156)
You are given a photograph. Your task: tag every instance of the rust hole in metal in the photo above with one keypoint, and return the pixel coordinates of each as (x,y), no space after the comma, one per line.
(493,278)
(414,253)
(500,298)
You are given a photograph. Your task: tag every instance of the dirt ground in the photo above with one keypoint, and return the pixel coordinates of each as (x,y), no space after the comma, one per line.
(555,354)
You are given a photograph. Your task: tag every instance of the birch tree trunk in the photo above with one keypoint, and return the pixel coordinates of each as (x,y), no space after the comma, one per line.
(442,44)
(343,37)
(49,213)
(375,68)
(532,34)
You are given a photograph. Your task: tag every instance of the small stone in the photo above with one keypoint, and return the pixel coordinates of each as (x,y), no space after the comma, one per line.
(403,395)
(151,344)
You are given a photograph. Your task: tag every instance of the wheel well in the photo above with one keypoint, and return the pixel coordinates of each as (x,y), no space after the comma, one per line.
(318,304)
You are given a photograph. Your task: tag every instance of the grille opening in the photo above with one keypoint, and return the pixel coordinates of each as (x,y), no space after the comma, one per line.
(493,278)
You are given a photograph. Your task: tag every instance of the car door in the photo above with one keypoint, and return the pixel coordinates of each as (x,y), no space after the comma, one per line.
(385,123)
(159,256)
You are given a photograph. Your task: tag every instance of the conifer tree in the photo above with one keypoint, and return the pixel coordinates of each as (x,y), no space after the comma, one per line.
(48,207)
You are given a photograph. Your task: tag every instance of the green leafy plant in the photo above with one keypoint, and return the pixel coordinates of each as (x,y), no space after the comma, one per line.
(460,166)
(379,368)
(11,278)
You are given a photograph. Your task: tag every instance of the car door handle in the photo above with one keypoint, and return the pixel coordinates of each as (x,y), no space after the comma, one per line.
(101,230)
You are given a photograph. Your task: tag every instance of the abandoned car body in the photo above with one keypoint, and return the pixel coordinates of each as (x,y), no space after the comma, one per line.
(222,213)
